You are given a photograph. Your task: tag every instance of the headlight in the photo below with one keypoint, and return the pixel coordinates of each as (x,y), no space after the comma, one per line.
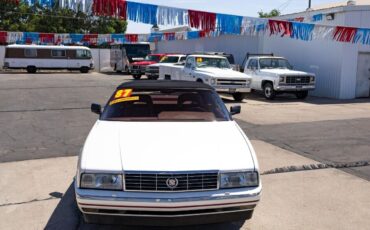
(248,82)
(312,79)
(102,181)
(239,179)
(213,81)
(281,79)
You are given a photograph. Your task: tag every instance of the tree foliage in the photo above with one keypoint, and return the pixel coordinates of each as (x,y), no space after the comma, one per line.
(271,14)
(36,18)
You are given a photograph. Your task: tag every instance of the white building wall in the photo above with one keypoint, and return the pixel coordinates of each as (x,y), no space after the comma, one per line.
(2,55)
(101,59)
(236,45)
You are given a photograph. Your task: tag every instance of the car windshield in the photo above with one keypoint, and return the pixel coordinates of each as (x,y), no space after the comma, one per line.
(169,59)
(165,105)
(152,58)
(274,63)
(203,62)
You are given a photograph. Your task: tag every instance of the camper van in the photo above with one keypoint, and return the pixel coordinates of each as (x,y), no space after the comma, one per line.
(35,57)
(123,55)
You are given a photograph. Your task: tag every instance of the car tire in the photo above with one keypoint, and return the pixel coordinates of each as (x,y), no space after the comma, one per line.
(31,69)
(268,91)
(136,76)
(301,95)
(238,96)
(84,69)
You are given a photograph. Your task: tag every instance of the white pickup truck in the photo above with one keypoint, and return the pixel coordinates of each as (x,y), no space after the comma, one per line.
(152,71)
(212,70)
(274,75)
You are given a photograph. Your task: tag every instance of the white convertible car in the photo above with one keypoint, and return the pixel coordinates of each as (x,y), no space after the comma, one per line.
(166,153)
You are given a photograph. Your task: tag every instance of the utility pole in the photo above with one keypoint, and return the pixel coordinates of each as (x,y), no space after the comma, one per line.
(309,4)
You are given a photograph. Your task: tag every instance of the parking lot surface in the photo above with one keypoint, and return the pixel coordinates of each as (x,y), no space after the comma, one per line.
(45,118)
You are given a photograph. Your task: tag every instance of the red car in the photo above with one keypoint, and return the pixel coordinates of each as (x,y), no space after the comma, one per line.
(138,68)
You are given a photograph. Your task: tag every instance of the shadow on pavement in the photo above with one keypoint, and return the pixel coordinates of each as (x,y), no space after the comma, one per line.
(288,98)
(67,216)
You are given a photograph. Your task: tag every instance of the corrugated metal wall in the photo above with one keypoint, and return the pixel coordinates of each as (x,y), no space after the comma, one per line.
(236,45)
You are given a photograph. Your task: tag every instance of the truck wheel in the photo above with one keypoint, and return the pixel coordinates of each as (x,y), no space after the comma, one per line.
(301,95)
(238,96)
(136,77)
(31,69)
(84,69)
(268,91)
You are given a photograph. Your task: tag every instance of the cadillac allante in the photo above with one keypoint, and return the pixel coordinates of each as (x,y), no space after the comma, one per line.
(166,153)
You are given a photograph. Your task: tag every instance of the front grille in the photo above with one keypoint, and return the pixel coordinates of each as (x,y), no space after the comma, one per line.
(158,181)
(300,80)
(231,82)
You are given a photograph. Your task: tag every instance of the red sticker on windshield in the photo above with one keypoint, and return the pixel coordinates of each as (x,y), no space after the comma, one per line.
(122,93)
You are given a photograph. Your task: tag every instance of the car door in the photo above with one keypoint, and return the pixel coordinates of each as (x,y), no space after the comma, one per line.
(251,70)
(188,69)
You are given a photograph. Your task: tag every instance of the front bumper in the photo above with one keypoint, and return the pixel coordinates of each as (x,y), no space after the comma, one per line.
(168,206)
(152,73)
(137,71)
(232,89)
(295,87)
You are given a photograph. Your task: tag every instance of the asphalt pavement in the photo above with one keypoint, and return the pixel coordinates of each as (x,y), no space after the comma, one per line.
(48,115)
(45,118)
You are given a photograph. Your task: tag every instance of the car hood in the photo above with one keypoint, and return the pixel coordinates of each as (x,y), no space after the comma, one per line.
(285,72)
(162,64)
(222,73)
(144,63)
(166,146)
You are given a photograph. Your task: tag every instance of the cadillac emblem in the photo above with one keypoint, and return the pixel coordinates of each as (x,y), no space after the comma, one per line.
(172,183)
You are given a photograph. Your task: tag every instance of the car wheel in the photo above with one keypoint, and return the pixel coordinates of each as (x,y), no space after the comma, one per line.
(84,69)
(268,91)
(301,95)
(238,96)
(31,69)
(136,77)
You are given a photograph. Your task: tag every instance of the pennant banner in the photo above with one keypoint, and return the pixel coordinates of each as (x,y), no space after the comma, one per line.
(206,25)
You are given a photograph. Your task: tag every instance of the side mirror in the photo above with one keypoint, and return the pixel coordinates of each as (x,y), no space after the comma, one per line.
(96,108)
(235,109)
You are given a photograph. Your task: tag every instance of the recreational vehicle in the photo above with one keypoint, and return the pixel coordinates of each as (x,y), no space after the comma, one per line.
(34,57)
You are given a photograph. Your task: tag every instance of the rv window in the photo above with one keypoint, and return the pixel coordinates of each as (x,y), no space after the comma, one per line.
(30,52)
(58,53)
(83,54)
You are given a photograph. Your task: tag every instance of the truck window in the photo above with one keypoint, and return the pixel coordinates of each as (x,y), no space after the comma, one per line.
(274,63)
(83,54)
(253,64)
(30,52)
(189,63)
(58,53)
(182,59)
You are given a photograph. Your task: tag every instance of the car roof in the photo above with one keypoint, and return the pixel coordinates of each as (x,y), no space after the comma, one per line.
(206,56)
(261,57)
(48,47)
(164,84)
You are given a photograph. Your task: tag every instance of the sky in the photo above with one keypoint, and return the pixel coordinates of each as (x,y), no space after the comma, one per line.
(236,7)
